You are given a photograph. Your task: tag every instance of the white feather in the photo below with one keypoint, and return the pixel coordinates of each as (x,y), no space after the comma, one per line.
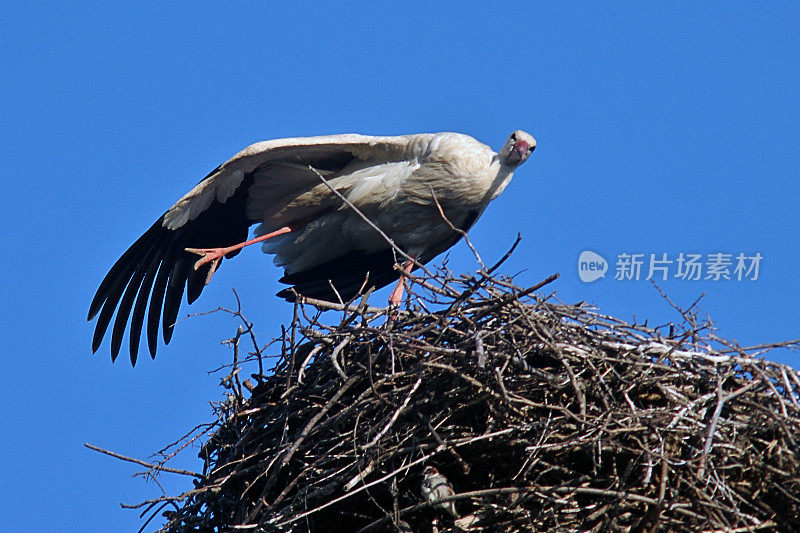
(220,186)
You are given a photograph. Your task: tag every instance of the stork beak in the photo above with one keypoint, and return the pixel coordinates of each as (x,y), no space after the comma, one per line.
(519,152)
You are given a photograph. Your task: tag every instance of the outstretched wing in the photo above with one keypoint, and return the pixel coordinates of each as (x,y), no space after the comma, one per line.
(152,275)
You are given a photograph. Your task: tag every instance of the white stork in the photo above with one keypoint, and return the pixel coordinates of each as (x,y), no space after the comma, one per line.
(401,184)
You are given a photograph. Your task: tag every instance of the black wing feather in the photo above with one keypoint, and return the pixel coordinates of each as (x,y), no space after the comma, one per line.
(124,310)
(196,282)
(347,273)
(172,298)
(118,271)
(139,309)
(110,300)
(157,302)
(157,267)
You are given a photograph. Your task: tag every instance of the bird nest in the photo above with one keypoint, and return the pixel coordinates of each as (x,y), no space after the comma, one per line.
(543,416)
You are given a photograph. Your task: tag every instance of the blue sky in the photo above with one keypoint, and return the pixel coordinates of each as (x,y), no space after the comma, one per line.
(662,127)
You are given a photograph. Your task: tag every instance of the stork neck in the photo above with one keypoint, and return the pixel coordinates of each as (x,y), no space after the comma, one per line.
(504,175)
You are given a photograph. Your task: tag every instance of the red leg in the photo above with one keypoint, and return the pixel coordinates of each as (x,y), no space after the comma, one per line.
(215,255)
(397,294)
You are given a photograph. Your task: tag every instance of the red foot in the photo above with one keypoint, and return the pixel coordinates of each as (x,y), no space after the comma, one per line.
(215,255)
(396,298)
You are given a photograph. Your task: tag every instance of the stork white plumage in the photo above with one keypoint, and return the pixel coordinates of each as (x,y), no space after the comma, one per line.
(328,251)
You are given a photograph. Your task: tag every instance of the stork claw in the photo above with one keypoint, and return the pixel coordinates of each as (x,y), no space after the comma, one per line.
(214,264)
(208,255)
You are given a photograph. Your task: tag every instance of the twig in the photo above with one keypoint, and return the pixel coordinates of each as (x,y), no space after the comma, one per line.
(151,466)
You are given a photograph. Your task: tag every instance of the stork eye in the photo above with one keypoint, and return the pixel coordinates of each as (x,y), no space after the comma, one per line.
(513,137)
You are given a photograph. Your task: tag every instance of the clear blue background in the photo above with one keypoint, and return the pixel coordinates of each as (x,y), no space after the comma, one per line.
(662,127)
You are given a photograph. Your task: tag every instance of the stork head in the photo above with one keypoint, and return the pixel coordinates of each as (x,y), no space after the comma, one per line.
(517,149)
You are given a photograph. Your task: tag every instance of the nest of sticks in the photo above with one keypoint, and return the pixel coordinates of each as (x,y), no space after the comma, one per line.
(543,416)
